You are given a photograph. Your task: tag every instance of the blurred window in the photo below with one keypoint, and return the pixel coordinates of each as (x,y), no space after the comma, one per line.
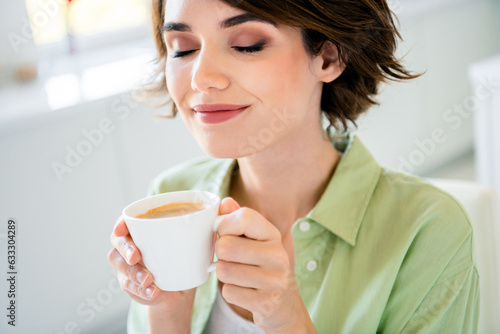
(54,21)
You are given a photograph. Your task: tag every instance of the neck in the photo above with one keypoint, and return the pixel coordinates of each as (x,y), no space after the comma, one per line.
(285,181)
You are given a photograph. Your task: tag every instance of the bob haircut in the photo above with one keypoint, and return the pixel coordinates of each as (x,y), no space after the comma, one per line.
(362,30)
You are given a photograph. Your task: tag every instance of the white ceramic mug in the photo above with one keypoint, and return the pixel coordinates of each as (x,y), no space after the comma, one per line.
(178,250)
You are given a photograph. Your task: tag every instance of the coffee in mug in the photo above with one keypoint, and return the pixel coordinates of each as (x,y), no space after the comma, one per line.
(178,249)
(173,210)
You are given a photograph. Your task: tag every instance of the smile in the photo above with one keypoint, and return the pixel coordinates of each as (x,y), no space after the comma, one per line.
(218,113)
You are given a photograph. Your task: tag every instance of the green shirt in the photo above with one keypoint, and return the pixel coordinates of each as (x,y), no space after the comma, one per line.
(381,252)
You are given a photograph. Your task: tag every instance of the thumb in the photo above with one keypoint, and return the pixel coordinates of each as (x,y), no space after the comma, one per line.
(120,229)
(228,205)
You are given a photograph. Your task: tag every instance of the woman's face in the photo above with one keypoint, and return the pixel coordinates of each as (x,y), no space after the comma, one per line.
(260,71)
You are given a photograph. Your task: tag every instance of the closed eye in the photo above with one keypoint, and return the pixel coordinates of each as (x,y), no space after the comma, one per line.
(180,54)
(250,49)
(243,49)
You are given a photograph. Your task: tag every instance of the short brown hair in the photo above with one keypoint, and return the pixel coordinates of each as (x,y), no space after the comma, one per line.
(363,31)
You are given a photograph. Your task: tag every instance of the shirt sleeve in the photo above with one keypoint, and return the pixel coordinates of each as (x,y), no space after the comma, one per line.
(427,300)
(452,304)
(437,287)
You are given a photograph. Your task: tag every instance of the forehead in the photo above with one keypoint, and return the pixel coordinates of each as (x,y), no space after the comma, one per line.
(196,9)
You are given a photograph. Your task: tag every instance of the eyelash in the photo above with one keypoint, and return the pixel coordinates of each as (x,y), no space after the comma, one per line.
(243,49)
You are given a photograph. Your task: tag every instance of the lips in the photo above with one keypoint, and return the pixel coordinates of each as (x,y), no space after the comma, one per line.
(217,107)
(217,113)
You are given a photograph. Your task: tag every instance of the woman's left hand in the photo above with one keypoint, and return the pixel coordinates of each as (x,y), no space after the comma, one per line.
(257,271)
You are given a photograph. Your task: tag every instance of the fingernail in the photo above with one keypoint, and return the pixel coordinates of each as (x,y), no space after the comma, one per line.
(128,253)
(142,277)
(150,291)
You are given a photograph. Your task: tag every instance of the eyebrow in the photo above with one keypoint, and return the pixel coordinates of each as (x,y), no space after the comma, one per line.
(230,22)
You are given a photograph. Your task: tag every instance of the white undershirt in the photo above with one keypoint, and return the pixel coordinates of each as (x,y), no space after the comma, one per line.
(224,320)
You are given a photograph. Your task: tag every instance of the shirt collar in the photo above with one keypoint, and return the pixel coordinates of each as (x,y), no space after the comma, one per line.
(342,206)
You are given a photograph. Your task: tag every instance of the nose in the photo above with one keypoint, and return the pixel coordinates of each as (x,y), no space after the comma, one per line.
(207,72)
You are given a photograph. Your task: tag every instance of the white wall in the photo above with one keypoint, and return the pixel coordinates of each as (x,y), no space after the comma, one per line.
(443,43)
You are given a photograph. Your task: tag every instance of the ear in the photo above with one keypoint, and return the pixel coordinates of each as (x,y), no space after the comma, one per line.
(329,66)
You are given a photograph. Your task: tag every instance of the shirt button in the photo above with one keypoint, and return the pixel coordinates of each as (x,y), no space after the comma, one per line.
(304,226)
(312,265)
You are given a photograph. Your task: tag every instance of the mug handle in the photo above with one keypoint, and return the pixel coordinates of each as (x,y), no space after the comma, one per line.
(213,266)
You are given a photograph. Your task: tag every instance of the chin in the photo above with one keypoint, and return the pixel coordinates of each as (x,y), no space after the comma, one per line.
(224,144)
(222,152)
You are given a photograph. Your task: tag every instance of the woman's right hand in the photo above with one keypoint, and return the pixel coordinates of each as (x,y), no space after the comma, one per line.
(137,281)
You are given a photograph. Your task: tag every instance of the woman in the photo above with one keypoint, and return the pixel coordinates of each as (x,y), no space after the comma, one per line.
(318,237)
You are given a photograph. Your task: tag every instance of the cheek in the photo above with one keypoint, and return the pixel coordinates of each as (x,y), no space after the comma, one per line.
(280,82)
(176,78)
(263,80)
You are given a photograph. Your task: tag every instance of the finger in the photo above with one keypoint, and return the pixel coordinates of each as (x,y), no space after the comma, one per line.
(132,287)
(136,273)
(253,252)
(243,275)
(127,248)
(120,229)
(254,300)
(228,205)
(249,223)
(240,296)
